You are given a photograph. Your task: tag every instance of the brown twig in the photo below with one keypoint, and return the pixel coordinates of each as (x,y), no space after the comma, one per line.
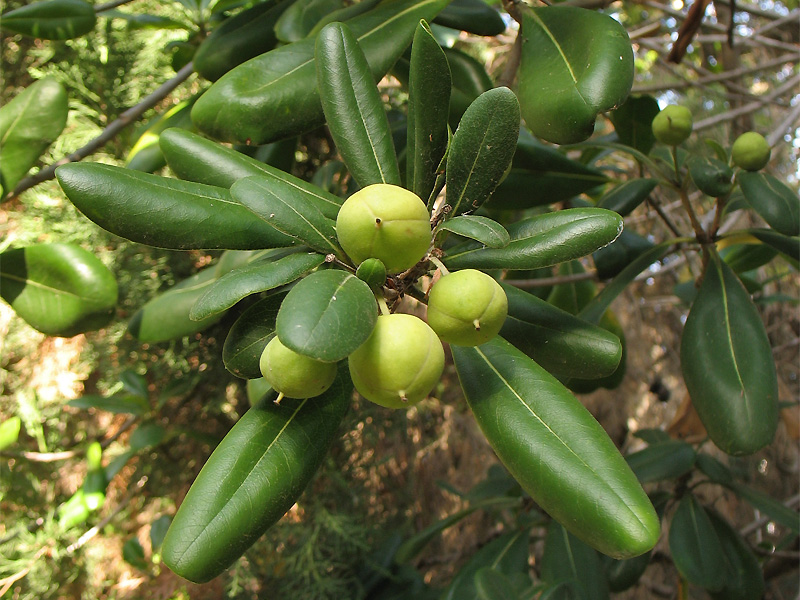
(125,119)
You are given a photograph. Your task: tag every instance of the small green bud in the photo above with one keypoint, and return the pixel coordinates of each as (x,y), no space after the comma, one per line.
(372,272)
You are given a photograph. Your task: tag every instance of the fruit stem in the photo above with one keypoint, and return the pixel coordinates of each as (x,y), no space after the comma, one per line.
(439,265)
(279,398)
(382,304)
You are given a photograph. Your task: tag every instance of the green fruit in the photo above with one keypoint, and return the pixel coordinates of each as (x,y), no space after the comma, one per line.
(386,222)
(372,272)
(295,375)
(467,308)
(400,362)
(673,125)
(750,151)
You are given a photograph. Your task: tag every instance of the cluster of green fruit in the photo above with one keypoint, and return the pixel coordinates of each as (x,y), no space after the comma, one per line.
(386,230)
(673,126)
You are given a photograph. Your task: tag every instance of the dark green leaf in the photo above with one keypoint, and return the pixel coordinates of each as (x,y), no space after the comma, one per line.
(134,383)
(353,107)
(146,155)
(470,80)
(133,554)
(575,64)
(52,19)
(58,289)
(147,436)
(652,436)
(561,343)
(165,213)
(344,14)
(612,259)
(146,21)
(294,215)
(482,149)
(624,574)
(491,584)
(472,16)
(327,315)
(507,554)
(769,506)
(484,230)
(727,363)
(240,38)
(275,95)
(747,257)
(28,124)
(625,197)
(428,109)
(197,159)
(248,337)
(695,547)
(566,558)
(744,577)
(258,276)
(555,449)
(253,477)
(633,122)
(711,176)
(667,460)
(714,469)
(773,200)
(117,403)
(158,529)
(301,18)
(542,241)
(166,317)
(790,246)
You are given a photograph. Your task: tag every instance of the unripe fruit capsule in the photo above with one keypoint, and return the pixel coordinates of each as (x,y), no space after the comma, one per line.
(295,375)
(386,222)
(673,125)
(399,364)
(467,308)
(750,151)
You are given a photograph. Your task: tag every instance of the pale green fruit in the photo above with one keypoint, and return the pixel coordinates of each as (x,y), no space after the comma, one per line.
(386,222)
(673,125)
(750,151)
(399,364)
(295,375)
(467,308)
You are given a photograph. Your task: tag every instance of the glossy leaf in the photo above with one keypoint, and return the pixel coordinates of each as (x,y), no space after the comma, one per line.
(744,577)
(555,449)
(327,315)
(470,80)
(491,584)
(344,14)
(301,18)
(542,175)
(633,122)
(165,213)
(542,241)
(29,123)
(472,16)
(58,289)
(166,317)
(146,155)
(197,159)
(561,343)
(253,477)
(481,229)
(507,554)
(790,246)
(290,214)
(482,149)
(612,259)
(248,337)
(773,200)
(667,460)
(275,95)
(353,107)
(51,19)
(575,64)
(624,574)
(711,176)
(258,276)
(158,529)
(240,38)
(768,505)
(727,364)
(747,257)
(566,558)
(428,110)
(625,197)
(695,547)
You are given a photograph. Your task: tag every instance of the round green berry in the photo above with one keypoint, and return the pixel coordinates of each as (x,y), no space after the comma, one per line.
(399,364)
(673,125)
(386,222)
(750,151)
(372,272)
(295,375)
(467,308)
